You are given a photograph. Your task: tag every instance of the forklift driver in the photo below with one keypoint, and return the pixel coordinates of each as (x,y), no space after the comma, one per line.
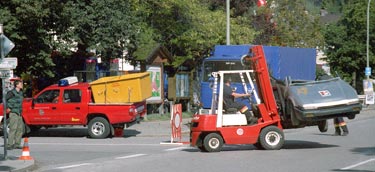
(230,95)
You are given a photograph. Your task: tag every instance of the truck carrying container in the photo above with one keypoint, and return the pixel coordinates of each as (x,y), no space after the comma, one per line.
(297,63)
(127,88)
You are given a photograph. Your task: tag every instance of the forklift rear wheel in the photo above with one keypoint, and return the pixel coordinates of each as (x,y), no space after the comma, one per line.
(271,138)
(323,126)
(213,142)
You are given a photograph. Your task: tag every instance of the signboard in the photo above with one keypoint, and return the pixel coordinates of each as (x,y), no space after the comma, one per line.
(156,83)
(8,63)
(369,91)
(5,73)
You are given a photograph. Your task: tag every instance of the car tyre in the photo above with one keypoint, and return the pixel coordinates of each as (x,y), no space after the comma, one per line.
(323,126)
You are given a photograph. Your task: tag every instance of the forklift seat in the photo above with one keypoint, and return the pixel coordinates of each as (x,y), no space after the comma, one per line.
(228,110)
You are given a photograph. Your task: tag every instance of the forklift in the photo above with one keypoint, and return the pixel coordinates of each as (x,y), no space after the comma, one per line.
(211,128)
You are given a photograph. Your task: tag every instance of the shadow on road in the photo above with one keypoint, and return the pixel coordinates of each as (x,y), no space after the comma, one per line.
(59,132)
(73,132)
(351,170)
(369,151)
(131,133)
(298,144)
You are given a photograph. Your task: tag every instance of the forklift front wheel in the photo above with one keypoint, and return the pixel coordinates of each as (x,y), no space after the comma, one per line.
(213,142)
(271,138)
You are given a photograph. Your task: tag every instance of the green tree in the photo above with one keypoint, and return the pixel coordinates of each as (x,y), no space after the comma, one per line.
(288,23)
(346,43)
(48,28)
(107,26)
(189,28)
(26,23)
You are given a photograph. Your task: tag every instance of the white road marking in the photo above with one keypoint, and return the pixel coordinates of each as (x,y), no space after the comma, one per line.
(93,144)
(172,149)
(130,156)
(72,166)
(358,164)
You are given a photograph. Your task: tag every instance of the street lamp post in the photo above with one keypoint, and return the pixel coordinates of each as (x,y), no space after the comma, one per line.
(368,69)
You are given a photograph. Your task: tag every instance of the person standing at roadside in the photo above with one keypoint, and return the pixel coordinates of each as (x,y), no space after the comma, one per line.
(14,100)
(340,123)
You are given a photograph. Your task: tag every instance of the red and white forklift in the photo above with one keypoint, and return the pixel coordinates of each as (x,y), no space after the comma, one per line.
(211,129)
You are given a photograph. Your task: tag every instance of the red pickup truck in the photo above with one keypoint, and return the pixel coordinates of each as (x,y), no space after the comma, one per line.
(74,105)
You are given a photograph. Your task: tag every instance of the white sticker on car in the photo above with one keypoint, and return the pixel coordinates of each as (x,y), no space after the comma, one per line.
(324,93)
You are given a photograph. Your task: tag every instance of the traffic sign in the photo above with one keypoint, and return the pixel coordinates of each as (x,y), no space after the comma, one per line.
(368,71)
(7,44)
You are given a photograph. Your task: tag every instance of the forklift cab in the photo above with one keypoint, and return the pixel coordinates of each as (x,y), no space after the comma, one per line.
(230,116)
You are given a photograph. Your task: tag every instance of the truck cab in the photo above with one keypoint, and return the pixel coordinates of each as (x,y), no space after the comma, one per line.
(58,104)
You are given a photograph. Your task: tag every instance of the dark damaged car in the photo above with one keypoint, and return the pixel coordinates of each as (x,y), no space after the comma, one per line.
(306,103)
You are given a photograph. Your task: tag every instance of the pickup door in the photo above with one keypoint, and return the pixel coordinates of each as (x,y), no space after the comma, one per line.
(44,108)
(58,106)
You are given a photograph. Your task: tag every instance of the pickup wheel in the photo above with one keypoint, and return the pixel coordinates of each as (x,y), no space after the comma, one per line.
(99,128)
(271,138)
(212,142)
(323,126)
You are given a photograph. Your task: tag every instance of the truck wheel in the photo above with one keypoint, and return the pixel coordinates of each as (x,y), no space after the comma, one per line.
(99,128)
(213,142)
(271,138)
(323,126)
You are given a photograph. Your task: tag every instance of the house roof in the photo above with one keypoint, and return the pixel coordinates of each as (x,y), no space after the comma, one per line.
(150,52)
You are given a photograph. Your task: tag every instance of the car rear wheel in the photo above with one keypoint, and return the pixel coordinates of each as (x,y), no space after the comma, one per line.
(271,138)
(212,142)
(323,126)
(351,116)
(98,128)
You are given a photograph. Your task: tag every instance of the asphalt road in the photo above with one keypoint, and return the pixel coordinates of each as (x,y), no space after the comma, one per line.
(305,150)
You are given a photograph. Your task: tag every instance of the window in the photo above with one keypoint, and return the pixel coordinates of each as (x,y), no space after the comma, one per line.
(72,96)
(49,96)
(214,66)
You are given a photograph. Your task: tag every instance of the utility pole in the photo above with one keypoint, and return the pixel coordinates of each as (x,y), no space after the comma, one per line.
(368,68)
(228,22)
(5,131)
(6,65)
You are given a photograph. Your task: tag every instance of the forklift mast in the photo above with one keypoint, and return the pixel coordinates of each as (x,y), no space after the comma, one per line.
(259,65)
